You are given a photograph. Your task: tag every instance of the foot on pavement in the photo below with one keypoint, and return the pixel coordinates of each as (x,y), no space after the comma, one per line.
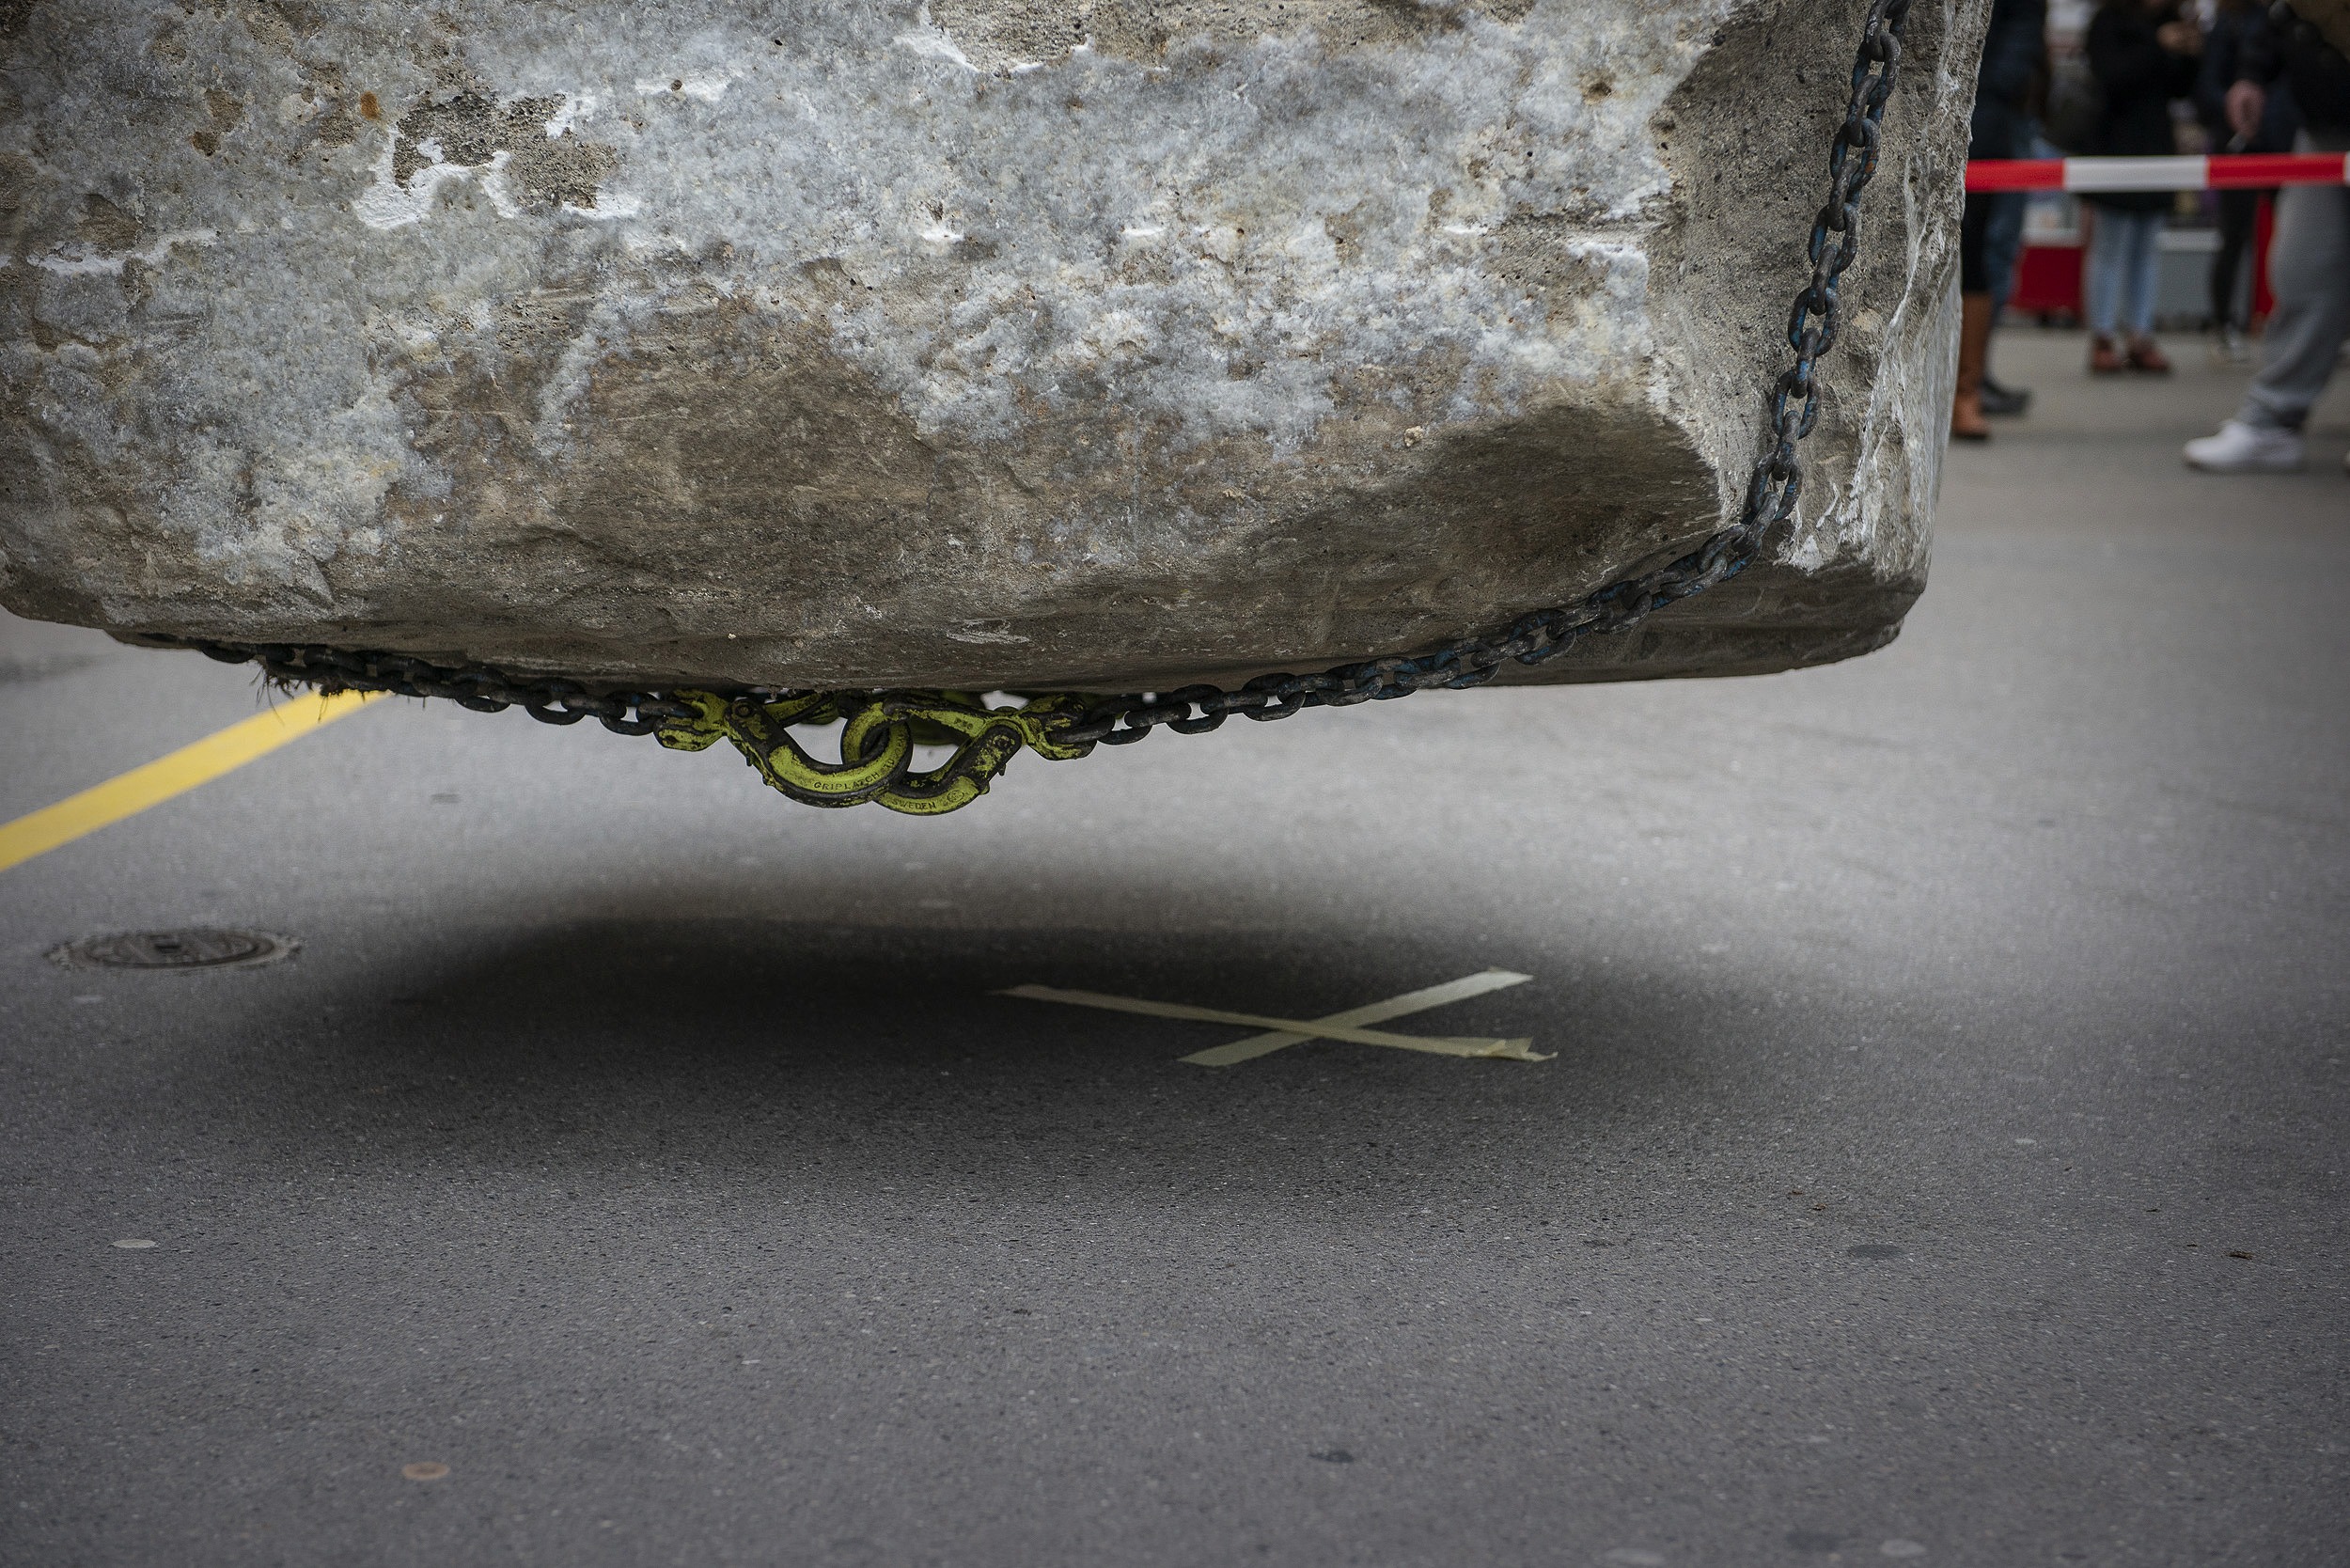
(2241,449)
(2001,402)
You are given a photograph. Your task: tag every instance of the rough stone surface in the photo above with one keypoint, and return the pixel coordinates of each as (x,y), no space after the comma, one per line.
(996,343)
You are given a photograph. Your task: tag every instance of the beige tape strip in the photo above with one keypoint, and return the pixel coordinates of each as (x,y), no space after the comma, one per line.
(1513,1050)
(1377,1013)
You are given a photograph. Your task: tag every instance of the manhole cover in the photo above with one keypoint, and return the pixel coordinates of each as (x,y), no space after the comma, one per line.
(202,948)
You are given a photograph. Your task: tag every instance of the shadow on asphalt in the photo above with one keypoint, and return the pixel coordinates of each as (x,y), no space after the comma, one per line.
(824,1054)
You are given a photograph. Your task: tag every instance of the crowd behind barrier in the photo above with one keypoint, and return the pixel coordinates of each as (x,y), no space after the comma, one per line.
(2236,112)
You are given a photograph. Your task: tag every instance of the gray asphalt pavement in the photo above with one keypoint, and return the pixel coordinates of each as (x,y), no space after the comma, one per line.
(1942,1156)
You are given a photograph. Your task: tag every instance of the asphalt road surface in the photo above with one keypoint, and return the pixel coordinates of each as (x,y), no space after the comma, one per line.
(1941,1158)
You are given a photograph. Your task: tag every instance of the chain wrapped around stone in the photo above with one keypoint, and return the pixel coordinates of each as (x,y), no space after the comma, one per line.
(880,729)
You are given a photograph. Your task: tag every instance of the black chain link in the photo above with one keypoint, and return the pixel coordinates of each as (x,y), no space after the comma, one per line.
(485,690)
(1770,501)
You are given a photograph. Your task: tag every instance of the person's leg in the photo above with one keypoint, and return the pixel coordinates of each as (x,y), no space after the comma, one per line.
(1974,323)
(1974,219)
(2237,211)
(1974,344)
(2002,243)
(2140,284)
(2309,273)
(2099,296)
(2102,265)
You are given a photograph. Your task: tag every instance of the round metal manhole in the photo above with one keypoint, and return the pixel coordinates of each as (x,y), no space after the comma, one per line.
(199,948)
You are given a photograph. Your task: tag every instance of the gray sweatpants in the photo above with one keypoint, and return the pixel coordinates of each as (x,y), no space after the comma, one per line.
(2309,272)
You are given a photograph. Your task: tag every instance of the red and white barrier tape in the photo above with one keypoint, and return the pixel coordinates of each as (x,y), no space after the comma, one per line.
(2226,171)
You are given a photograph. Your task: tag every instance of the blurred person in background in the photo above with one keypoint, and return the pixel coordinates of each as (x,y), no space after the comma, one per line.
(2308,255)
(1992,230)
(2236,23)
(2143,54)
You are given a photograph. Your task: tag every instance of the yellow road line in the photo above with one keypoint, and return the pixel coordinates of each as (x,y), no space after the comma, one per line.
(181,770)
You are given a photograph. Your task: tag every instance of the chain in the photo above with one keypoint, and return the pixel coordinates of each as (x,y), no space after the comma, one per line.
(484,691)
(880,729)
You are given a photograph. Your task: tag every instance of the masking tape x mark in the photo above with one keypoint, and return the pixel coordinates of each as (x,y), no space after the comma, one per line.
(1338,1026)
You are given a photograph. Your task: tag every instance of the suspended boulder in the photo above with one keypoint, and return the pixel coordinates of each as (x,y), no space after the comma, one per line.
(993,344)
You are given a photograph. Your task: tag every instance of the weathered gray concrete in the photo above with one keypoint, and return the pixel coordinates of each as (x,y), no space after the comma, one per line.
(653,1155)
(821,345)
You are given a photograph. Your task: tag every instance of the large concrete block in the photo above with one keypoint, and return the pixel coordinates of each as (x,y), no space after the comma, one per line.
(1000,343)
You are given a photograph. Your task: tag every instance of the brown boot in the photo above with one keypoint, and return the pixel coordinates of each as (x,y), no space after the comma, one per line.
(2104,358)
(2147,355)
(1974,352)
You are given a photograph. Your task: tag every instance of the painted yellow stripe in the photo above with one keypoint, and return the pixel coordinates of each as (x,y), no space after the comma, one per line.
(184,770)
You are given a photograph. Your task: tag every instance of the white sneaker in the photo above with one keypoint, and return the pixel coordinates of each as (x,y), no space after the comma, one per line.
(2241,449)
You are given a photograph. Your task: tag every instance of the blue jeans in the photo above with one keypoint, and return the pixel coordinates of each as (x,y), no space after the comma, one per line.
(2002,240)
(2124,264)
